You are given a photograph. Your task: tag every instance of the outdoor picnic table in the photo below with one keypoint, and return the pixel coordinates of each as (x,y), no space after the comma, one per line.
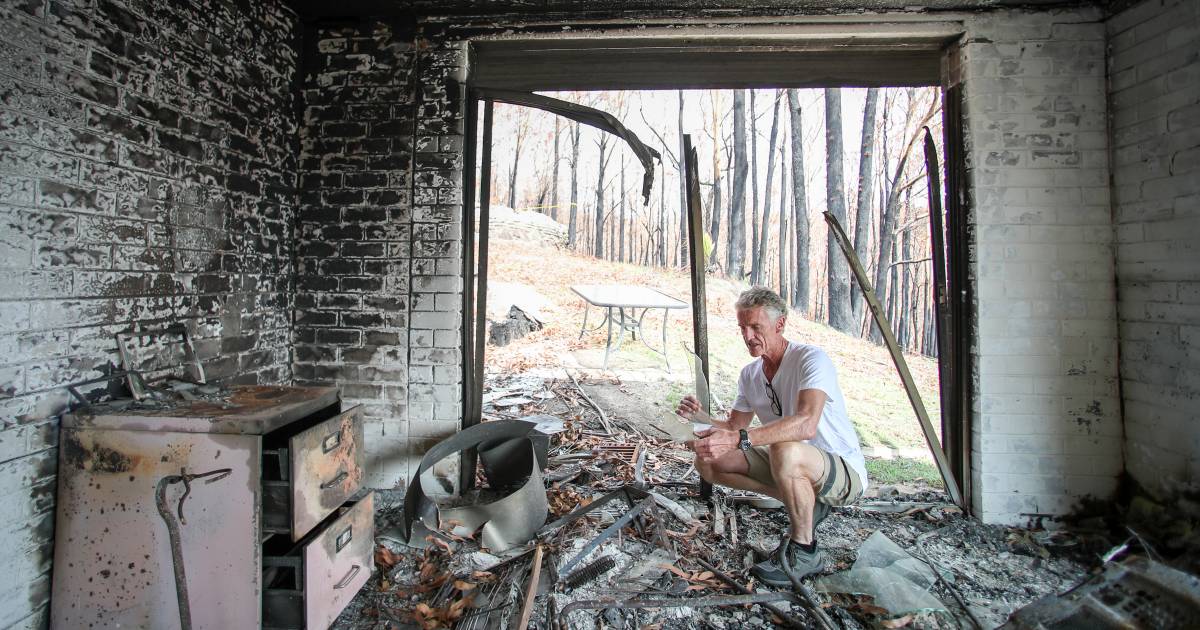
(622,298)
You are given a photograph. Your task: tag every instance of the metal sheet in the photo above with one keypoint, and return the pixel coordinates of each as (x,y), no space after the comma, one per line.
(511,521)
(248,409)
(338,562)
(112,554)
(418,508)
(327,468)
(507,461)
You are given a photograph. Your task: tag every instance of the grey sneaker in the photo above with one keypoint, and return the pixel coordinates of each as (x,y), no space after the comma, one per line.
(788,555)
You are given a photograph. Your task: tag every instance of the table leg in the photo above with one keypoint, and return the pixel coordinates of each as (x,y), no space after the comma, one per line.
(666,359)
(608,341)
(623,326)
(585,314)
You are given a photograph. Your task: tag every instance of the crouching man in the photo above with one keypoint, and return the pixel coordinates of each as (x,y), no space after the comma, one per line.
(806,453)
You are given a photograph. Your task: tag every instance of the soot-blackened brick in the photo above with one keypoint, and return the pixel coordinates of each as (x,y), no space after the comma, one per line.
(115,148)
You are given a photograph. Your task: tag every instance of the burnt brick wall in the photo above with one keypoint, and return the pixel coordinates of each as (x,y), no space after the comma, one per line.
(147,175)
(379,289)
(355,228)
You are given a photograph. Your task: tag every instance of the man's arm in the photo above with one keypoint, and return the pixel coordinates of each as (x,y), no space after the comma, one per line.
(794,428)
(723,437)
(737,420)
(800,426)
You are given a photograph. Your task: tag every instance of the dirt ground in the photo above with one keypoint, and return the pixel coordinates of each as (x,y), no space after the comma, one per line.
(985,572)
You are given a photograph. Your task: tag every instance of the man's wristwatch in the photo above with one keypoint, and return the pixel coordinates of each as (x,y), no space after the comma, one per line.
(743,440)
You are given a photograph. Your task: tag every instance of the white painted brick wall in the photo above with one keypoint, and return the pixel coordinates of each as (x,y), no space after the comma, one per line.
(1154,73)
(1048,427)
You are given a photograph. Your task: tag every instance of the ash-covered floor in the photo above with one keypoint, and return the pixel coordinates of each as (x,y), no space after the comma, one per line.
(666,555)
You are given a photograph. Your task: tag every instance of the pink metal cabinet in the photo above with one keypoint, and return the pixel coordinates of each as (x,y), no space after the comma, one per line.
(113,564)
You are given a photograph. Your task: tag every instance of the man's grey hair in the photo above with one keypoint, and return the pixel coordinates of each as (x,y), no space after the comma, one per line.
(755,297)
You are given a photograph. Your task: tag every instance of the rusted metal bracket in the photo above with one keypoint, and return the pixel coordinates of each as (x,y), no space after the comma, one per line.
(138,388)
(910,386)
(173,521)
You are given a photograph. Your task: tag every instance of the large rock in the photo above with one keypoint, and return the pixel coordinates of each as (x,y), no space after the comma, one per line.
(525,226)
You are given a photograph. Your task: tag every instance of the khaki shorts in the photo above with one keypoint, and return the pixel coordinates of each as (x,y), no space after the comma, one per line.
(839,483)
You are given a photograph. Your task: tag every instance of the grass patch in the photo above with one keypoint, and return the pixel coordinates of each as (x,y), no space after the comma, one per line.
(900,470)
(876,401)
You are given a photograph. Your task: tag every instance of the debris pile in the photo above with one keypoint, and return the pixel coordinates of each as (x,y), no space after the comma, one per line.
(625,540)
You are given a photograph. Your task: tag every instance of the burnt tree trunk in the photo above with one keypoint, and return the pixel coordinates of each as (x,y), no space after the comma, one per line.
(714,224)
(662,217)
(572,226)
(512,172)
(554,177)
(783,225)
(755,264)
(763,240)
(599,227)
(621,216)
(735,257)
(683,210)
(840,314)
(866,183)
(802,281)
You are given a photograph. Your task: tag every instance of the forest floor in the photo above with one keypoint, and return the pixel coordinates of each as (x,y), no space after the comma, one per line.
(637,386)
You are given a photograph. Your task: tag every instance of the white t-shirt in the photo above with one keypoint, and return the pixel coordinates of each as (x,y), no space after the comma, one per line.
(804,367)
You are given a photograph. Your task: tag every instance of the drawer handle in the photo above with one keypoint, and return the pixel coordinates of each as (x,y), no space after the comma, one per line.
(349,576)
(335,481)
(331,441)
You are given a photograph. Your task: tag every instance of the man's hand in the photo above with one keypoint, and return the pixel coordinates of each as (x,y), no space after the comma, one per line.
(688,407)
(714,443)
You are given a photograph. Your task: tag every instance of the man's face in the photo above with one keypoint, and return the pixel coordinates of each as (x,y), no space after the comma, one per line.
(759,330)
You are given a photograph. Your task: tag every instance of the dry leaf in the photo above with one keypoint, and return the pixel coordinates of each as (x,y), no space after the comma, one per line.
(385,558)
(674,569)
(871,609)
(898,622)
(440,543)
(463,586)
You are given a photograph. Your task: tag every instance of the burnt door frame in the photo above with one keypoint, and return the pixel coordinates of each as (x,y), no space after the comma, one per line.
(475,272)
(955,370)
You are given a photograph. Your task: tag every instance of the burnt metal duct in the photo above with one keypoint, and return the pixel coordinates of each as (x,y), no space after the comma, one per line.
(508,522)
(1137,593)
(590,116)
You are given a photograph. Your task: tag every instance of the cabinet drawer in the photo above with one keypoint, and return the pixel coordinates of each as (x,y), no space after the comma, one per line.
(310,584)
(326,469)
(338,563)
